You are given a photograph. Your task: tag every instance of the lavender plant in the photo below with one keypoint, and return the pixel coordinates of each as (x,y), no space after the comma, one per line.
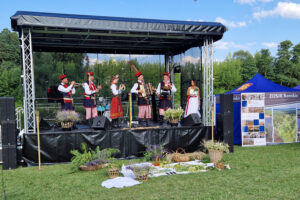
(67,116)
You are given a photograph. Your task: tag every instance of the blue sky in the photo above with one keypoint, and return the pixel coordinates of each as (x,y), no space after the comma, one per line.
(252,24)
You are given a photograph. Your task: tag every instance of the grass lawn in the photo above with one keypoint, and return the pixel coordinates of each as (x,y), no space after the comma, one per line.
(271,172)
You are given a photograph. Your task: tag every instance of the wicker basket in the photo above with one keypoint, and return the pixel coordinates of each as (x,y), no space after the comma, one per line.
(99,166)
(141,175)
(198,155)
(113,172)
(181,156)
(215,155)
(87,168)
(67,124)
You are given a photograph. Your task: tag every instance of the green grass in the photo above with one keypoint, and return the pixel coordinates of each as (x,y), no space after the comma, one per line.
(271,172)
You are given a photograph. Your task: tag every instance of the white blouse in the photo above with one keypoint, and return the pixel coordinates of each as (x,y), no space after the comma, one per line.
(114,90)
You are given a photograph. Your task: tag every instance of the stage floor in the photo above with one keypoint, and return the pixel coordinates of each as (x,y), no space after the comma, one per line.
(57,144)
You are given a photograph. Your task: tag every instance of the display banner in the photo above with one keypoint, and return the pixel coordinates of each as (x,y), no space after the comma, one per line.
(282,117)
(253,119)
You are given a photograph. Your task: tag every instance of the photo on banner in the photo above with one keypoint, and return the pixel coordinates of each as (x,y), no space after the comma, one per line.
(282,117)
(253,119)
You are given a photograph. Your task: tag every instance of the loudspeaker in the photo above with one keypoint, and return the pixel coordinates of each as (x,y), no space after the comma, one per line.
(7,108)
(44,125)
(9,132)
(191,120)
(54,95)
(225,129)
(101,122)
(9,155)
(226,103)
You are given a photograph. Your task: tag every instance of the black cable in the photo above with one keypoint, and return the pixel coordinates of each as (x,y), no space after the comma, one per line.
(4,192)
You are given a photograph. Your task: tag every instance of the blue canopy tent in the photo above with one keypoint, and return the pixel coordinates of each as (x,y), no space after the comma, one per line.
(255,85)
(297,87)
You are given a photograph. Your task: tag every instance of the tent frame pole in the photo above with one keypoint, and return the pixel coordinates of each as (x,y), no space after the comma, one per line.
(208,80)
(28,81)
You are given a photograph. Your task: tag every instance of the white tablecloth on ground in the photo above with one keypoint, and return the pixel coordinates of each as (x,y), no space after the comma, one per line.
(119,182)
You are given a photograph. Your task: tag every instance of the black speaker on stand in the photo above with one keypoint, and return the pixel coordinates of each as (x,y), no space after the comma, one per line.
(9,132)
(225,120)
(101,122)
(191,120)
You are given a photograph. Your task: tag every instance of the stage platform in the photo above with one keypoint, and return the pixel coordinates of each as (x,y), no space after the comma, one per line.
(57,144)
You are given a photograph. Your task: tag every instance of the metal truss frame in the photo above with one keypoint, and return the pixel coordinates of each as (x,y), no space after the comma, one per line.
(28,81)
(208,82)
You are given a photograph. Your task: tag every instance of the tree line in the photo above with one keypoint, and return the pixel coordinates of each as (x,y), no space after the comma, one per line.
(237,68)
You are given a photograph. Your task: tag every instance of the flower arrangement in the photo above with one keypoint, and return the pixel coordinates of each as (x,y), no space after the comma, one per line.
(219,146)
(216,150)
(173,115)
(91,159)
(154,151)
(67,116)
(140,171)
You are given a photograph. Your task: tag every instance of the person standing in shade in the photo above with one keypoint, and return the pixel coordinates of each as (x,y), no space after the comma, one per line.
(164,91)
(193,101)
(143,101)
(89,94)
(116,110)
(67,91)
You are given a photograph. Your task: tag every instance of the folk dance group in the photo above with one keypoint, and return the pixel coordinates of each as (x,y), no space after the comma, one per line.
(164,91)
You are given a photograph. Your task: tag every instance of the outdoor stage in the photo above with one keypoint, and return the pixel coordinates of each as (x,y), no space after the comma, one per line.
(56,145)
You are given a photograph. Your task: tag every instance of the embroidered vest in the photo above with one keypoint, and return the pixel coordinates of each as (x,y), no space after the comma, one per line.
(92,88)
(67,96)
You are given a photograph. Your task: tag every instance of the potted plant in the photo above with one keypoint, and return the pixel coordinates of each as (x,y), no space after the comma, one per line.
(216,150)
(89,160)
(154,153)
(81,158)
(173,115)
(67,118)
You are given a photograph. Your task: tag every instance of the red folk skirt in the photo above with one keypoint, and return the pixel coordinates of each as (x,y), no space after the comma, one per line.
(116,108)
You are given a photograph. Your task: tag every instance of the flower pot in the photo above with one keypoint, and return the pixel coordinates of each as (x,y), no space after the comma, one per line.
(215,155)
(156,162)
(67,125)
(174,122)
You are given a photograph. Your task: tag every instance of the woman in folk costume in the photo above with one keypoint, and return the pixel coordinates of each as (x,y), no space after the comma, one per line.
(116,105)
(67,91)
(89,94)
(193,101)
(164,91)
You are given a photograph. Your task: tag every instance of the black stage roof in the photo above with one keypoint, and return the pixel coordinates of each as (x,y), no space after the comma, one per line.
(52,32)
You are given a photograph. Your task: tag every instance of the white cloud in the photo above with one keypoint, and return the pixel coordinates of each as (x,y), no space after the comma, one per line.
(245,1)
(251,1)
(251,44)
(266,1)
(126,56)
(231,23)
(283,9)
(270,44)
(94,61)
(196,20)
(190,59)
(223,45)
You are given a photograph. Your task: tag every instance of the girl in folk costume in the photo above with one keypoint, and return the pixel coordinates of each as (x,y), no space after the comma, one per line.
(67,92)
(90,91)
(164,91)
(116,105)
(193,101)
(143,102)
